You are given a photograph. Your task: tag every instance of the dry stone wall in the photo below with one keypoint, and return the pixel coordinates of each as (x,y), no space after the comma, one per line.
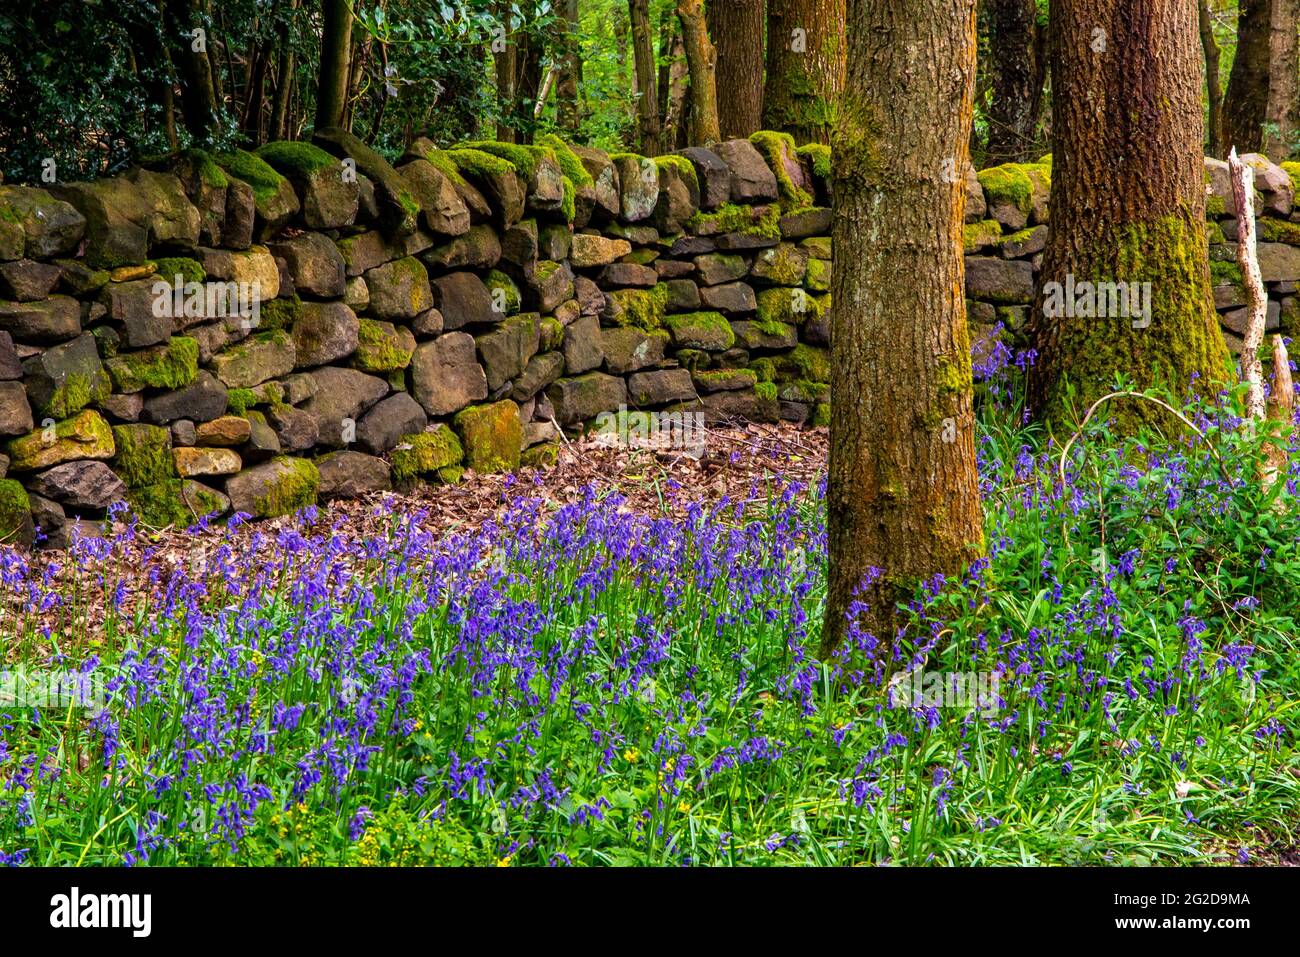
(254,332)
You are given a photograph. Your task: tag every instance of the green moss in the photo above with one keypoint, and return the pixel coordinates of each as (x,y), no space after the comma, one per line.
(701,330)
(505,291)
(777,307)
(380,351)
(764,369)
(74,393)
(254,171)
(766,391)
(762,221)
(1214,233)
(818,156)
(1215,206)
(300,159)
(569,163)
(484,158)
(818,277)
(445,165)
(540,456)
(569,203)
(177,502)
(773,145)
(239,401)
(683,167)
(491,435)
(1008,184)
(144,454)
(169,267)
(639,308)
(84,436)
(276,314)
(804,363)
(723,376)
(1279,231)
(552,334)
(1292,169)
(426,453)
(1225,273)
(294,489)
(15,512)
(210,174)
(1180,345)
(821,417)
(784,266)
(171,366)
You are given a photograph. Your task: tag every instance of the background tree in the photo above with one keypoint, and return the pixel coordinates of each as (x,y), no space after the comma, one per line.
(1128,205)
(701,60)
(192,54)
(1213,81)
(1245,104)
(647,78)
(335,63)
(903,492)
(570,57)
(1018,73)
(1282,112)
(805,67)
(736,27)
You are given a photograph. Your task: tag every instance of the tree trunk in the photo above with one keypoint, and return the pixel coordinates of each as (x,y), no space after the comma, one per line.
(701,60)
(647,97)
(284,70)
(506,57)
(737,31)
(675,124)
(805,67)
(570,61)
(1128,207)
(1017,81)
(1283,110)
(1213,82)
(199,103)
(251,125)
(528,84)
(1245,105)
(903,494)
(335,61)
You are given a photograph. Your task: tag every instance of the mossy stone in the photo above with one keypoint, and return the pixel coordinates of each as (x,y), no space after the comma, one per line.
(144,454)
(426,453)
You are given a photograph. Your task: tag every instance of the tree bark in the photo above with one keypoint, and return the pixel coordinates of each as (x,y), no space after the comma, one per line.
(199,103)
(1128,207)
(737,31)
(701,60)
(1213,82)
(506,62)
(1282,113)
(570,62)
(805,67)
(1245,104)
(284,71)
(1017,81)
(649,131)
(335,61)
(903,495)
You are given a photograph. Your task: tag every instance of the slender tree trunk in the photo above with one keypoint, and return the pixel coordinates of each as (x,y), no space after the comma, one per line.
(1283,110)
(675,124)
(506,61)
(647,98)
(1213,82)
(903,495)
(199,103)
(259,62)
(1245,105)
(335,60)
(737,31)
(284,70)
(528,84)
(805,67)
(566,89)
(1017,81)
(701,59)
(1128,207)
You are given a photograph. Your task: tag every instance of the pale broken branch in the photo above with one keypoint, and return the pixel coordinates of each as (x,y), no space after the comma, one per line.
(1281,412)
(1252,371)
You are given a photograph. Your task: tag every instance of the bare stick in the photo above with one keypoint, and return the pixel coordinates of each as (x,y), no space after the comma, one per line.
(1281,412)
(1252,371)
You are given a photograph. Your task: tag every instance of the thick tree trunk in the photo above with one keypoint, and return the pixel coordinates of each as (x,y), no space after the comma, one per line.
(701,60)
(903,496)
(335,61)
(1283,110)
(1017,81)
(1213,82)
(649,131)
(1245,105)
(566,88)
(805,67)
(737,31)
(1128,208)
